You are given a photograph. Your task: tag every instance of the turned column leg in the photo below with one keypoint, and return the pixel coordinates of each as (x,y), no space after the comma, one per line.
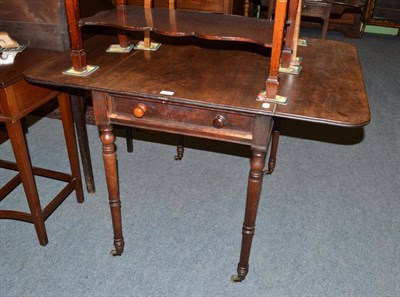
(17,139)
(253,196)
(261,135)
(110,164)
(276,131)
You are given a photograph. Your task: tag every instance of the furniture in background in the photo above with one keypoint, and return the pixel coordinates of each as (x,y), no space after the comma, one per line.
(384,13)
(344,15)
(318,9)
(17,99)
(207,88)
(41,25)
(45,27)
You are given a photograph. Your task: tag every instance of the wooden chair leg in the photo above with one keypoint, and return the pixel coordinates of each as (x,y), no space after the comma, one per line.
(78,112)
(17,139)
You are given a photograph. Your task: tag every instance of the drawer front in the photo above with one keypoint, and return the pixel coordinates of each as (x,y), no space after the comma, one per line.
(171,117)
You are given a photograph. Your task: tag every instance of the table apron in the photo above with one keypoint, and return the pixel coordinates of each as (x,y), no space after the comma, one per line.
(182,119)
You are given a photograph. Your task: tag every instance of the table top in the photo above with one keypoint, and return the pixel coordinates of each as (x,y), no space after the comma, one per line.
(12,73)
(223,75)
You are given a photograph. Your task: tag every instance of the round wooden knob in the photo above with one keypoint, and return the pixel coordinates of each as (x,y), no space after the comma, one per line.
(139,110)
(219,122)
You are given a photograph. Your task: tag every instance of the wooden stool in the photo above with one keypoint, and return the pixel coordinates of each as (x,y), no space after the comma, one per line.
(17,99)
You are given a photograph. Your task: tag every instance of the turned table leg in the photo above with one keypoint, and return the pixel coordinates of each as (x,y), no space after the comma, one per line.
(110,164)
(261,136)
(253,196)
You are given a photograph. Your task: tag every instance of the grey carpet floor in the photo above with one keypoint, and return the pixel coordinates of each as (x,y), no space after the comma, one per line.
(328,223)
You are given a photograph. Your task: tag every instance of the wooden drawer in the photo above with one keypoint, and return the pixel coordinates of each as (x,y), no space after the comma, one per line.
(174,118)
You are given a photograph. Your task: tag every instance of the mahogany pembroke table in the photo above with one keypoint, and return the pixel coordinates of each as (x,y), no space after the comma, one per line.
(209,88)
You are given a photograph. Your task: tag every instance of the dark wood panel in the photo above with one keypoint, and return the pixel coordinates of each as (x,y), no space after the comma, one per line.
(31,11)
(35,22)
(44,36)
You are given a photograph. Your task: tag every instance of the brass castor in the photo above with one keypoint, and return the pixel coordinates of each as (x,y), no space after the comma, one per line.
(115,253)
(237,278)
(178,158)
(267,172)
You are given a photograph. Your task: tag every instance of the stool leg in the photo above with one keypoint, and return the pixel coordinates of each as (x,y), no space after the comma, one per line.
(78,107)
(69,134)
(17,139)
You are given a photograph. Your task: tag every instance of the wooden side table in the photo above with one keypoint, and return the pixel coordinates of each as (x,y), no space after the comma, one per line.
(17,99)
(203,106)
(213,90)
